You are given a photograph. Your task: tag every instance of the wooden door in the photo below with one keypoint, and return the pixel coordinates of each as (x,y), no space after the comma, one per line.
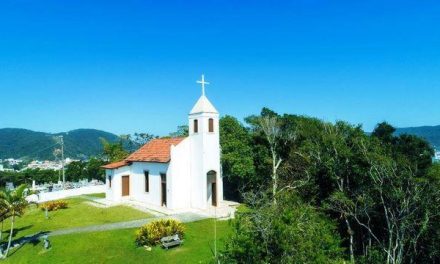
(125,185)
(214,194)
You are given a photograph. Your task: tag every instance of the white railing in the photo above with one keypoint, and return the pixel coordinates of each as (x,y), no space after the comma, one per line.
(62,194)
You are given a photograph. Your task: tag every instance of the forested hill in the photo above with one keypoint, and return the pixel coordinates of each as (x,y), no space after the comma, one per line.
(430,133)
(22,143)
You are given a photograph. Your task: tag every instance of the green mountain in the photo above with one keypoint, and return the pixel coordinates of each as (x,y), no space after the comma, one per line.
(22,143)
(430,133)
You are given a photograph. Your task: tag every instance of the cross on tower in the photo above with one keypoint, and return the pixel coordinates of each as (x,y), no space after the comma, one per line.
(202,82)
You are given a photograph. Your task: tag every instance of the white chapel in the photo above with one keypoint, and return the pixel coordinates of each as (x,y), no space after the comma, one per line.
(176,173)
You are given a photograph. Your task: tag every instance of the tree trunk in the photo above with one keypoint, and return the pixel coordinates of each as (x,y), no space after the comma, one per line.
(274,179)
(350,233)
(275,166)
(10,237)
(1,233)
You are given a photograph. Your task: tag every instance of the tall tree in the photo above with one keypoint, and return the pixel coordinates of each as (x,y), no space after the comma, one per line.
(271,129)
(384,132)
(383,190)
(141,139)
(113,151)
(337,157)
(417,152)
(93,169)
(182,131)
(14,204)
(391,206)
(75,170)
(237,163)
(286,232)
(275,136)
(133,142)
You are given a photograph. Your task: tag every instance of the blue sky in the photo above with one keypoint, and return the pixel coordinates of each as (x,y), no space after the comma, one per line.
(131,66)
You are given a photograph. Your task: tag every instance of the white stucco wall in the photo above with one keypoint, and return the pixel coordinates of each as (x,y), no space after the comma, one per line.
(205,156)
(115,192)
(179,180)
(57,195)
(137,182)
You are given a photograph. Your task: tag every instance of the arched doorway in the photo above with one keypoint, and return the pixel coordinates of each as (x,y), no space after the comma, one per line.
(212,188)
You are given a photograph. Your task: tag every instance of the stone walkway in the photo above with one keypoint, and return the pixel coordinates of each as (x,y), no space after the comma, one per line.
(183,217)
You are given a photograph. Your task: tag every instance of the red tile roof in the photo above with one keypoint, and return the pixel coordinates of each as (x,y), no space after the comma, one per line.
(116,165)
(157,150)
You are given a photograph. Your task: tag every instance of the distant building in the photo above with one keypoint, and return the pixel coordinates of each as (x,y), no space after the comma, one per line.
(437,156)
(48,165)
(44,165)
(12,161)
(1,167)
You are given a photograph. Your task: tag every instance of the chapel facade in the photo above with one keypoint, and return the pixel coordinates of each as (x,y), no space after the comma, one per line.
(176,173)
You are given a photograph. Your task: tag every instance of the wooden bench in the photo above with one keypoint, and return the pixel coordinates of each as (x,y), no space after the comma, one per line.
(171,241)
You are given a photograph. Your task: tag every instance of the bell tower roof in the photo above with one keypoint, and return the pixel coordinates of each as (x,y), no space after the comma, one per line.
(203,105)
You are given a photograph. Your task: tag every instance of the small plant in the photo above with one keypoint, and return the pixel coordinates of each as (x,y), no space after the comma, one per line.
(54,205)
(151,233)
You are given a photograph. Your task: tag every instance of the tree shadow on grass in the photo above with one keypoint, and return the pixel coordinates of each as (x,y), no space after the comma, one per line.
(18,230)
(15,231)
(17,244)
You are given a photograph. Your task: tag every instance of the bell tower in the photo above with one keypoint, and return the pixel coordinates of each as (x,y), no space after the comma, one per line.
(207,184)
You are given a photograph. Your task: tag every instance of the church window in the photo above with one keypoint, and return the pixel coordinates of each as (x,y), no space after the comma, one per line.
(211,125)
(109,181)
(147,181)
(196,126)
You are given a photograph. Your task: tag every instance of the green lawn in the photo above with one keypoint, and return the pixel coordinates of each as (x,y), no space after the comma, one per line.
(78,214)
(96,195)
(118,246)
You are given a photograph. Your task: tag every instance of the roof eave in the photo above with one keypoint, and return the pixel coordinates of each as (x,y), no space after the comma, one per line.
(108,167)
(201,112)
(150,161)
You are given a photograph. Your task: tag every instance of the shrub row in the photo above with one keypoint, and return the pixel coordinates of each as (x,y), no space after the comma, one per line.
(151,233)
(54,205)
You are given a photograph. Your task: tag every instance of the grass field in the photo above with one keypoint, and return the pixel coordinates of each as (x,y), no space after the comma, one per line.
(78,214)
(118,246)
(96,195)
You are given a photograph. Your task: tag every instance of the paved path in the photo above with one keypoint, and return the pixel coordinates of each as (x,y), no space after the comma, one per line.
(183,217)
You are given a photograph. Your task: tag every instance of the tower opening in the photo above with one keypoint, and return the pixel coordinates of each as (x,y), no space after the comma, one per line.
(196,126)
(211,125)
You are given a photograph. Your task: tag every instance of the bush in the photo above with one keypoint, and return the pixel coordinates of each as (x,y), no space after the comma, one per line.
(151,233)
(54,205)
(289,231)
